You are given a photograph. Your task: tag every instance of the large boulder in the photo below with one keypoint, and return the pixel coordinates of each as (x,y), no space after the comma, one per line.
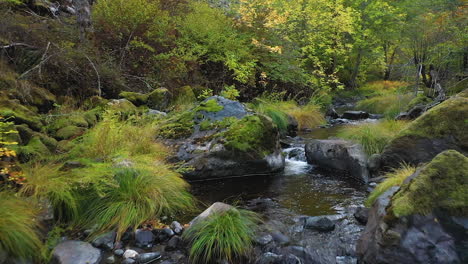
(424,221)
(220,138)
(338,154)
(216,208)
(441,128)
(76,252)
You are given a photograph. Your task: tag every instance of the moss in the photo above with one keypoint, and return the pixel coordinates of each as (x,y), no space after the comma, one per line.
(49,142)
(420,99)
(136,98)
(74,119)
(251,134)
(69,132)
(184,98)
(65,146)
(449,119)
(34,149)
(441,184)
(210,106)
(158,99)
(177,126)
(221,124)
(92,116)
(24,132)
(20,114)
(122,105)
(94,102)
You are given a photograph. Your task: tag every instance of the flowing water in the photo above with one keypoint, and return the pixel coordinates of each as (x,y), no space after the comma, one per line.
(301,187)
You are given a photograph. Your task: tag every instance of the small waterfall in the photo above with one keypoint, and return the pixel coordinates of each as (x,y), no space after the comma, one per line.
(296,162)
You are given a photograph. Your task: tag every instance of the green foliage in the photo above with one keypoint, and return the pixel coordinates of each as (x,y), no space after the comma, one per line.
(441,184)
(177,125)
(388,105)
(19,231)
(224,236)
(373,136)
(230,92)
(209,106)
(138,194)
(393,178)
(379,88)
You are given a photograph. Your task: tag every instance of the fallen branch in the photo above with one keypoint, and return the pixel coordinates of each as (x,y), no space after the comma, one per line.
(12,45)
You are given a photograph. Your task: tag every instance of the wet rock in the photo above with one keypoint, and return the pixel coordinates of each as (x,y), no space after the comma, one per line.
(163,234)
(331,113)
(119,252)
(280,238)
(130,254)
(320,223)
(290,259)
(177,227)
(144,238)
(361,214)
(355,115)
(268,258)
(263,240)
(72,251)
(173,243)
(303,254)
(373,163)
(414,113)
(110,260)
(129,261)
(156,113)
(146,258)
(105,241)
(341,155)
(376,116)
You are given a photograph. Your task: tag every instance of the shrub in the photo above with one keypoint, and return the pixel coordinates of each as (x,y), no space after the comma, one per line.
(394,178)
(135,195)
(47,181)
(373,136)
(223,236)
(19,231)
(388,105)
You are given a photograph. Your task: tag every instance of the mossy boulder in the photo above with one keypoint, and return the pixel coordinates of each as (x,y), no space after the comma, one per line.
(420,99)
(121,105)
(423,220)
(70,131)
(442,127)
(157,99)
(220,138)
(20,114)
(440,185)
(34,149)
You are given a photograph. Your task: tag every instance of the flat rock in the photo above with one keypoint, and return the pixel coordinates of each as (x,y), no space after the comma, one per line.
(76,252)
(320,223)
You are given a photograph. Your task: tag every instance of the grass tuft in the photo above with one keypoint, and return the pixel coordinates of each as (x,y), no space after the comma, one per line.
(393,178)
(373,136)
(224,236)
(136,195)
(47,181)
(19,231)
(389,105)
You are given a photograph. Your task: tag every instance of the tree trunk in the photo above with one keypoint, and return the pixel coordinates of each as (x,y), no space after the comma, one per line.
(355,72)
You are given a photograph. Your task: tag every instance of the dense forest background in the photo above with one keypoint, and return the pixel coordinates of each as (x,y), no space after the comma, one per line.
(304,48)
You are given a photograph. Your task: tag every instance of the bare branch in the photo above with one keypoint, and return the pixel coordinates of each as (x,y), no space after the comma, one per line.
(97,74)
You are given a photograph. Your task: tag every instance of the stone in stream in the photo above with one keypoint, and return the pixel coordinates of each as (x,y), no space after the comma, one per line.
(129,261)
(72,251)
(320,223)
(130,254)
(338,154)
(215,208)
(355,115)
(110,260)
(280,238)
(331,113)
(105,241)
(146,258)
(177,228)
(423,221)
(263,240)
(119,252)
(221,138)
(144,238)
(173,243)
(361,214)
(163,234)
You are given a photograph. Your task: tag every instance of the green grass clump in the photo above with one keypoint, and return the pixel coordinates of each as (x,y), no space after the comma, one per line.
(47,181)
(307,116)
(441,184)
(393,178)
(373,136)
(378,88)
(136,195)
(420,99)
(389,105)
(19,230)
(223,236)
